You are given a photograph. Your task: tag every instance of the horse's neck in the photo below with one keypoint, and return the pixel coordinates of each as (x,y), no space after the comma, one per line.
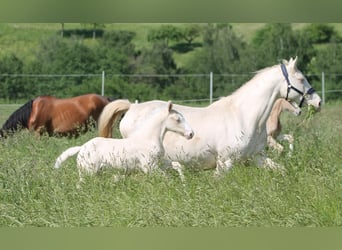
(256,98)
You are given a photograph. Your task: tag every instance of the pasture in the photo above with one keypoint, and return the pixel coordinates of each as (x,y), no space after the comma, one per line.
(308,193)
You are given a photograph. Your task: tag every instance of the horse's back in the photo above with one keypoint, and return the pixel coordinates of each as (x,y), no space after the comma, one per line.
(64,115)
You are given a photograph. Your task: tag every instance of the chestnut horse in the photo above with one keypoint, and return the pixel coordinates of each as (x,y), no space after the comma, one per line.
(56,116)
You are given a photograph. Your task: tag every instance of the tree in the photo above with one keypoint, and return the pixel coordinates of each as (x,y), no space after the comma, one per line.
(116,52)
(320,33)
(277,41)
(165,34)
(329,61)
(221,51)
(190,33)
(12,87)
(157,60)
(272,43)
(62,29)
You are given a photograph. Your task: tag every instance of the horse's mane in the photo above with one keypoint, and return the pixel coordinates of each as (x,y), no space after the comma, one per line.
(257,74)
(19,119)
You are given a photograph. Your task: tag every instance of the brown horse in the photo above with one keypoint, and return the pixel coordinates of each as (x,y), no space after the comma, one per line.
(273,125)
(56,116)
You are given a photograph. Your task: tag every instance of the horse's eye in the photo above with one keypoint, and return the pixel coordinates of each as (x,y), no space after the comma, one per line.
(300,77)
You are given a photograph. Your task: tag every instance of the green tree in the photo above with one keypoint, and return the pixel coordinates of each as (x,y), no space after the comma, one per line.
(277,41)
(329,61)
(157,61)
(165,34)
(320,33)
(190,33)
(272,43)
(221,53)
(12,87)
(116,52)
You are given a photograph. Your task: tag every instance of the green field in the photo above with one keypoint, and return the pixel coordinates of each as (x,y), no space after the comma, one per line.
(309,193)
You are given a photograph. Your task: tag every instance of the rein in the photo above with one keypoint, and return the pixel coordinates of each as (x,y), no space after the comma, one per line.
(290,86)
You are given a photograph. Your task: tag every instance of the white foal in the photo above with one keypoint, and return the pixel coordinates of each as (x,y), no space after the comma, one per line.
(142,150)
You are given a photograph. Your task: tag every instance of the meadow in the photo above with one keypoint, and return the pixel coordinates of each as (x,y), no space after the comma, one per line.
(308,193)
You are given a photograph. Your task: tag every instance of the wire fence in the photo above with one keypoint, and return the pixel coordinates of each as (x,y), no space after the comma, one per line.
(181,88)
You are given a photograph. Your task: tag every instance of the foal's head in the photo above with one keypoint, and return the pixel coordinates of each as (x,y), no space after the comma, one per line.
(176,122)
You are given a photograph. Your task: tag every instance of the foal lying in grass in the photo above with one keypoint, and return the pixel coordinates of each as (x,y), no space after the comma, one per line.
(142,150)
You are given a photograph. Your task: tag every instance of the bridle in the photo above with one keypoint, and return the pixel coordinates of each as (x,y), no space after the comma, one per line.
(290,86)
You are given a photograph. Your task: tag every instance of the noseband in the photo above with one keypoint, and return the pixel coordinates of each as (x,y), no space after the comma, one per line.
(289,87)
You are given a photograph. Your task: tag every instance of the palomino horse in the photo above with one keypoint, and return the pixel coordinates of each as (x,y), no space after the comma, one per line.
(142,150)
(232,128)
(273,125)
(54,115)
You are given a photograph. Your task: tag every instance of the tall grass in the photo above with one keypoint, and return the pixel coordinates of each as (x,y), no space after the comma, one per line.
(309,193)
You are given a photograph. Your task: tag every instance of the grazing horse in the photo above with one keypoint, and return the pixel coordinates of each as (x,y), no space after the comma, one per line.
(232,128)
(56,116)
(142,150)
(273,125)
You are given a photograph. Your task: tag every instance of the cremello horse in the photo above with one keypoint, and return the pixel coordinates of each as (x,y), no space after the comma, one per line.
(232,128)
(273,125)
(142,150)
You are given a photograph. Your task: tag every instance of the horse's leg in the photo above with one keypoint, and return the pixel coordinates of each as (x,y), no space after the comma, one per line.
(223,167)
(287,137)
(263,161)
(175,165)
(274,144)
(178,167)
(81,180)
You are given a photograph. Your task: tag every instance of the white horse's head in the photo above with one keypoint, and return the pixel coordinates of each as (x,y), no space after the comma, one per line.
(176,122)
(297,87)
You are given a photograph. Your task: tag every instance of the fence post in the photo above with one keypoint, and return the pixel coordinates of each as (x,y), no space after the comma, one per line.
(211,88)
(323,88)
(103,80)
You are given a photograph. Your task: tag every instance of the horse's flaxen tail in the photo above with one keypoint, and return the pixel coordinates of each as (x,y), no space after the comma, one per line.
(66,154)
(110,114)
(18,119)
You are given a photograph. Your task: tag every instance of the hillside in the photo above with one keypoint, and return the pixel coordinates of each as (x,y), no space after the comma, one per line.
(23,38)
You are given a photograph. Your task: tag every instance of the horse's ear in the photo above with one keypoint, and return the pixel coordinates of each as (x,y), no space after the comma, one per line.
(293,61)
(169,105)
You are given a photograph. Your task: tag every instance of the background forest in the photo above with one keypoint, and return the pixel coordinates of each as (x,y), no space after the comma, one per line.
(144,61)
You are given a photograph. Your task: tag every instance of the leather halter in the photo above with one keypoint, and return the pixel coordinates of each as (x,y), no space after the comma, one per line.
(290,86)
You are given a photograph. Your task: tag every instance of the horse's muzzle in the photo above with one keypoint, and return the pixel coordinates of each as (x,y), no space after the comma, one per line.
(189,135)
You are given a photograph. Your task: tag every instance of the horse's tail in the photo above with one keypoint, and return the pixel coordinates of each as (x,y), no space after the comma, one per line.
(18,119)
(66,154)
(110,114)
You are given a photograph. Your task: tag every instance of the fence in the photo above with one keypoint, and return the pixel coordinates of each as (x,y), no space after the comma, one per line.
(212,86)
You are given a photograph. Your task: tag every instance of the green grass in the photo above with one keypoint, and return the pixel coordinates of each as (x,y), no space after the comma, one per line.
(32,193)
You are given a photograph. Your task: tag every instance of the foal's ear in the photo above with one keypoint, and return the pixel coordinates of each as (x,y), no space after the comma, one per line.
(169,105)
